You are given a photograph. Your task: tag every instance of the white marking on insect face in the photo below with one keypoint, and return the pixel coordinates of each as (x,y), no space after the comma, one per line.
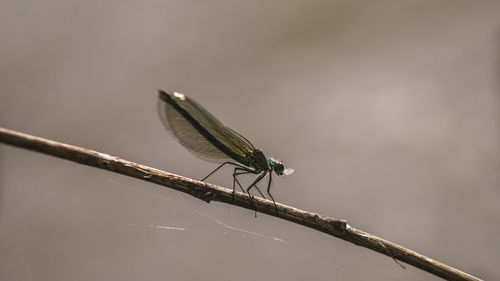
(179,96)
(288,171)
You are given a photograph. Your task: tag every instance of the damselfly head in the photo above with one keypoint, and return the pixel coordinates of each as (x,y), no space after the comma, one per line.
(279,168)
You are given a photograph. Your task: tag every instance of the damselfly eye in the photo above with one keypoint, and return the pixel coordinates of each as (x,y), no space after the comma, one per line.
(278,169)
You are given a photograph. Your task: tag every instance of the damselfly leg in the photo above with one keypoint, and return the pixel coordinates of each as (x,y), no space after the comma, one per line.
(238,170)
(220,166)
(242,170)
(254,184)
(269,192)
(235,180)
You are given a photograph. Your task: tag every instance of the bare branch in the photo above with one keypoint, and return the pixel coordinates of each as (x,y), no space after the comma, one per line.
(208,192)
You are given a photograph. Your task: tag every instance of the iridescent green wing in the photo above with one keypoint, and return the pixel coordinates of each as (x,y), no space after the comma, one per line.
(200,132)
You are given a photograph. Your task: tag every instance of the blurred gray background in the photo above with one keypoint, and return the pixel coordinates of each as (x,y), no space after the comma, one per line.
(389,112)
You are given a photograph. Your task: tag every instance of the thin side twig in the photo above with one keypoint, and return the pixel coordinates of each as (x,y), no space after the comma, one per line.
(209,192)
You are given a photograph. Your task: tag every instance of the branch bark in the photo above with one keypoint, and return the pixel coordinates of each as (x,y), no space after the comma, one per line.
(209,192)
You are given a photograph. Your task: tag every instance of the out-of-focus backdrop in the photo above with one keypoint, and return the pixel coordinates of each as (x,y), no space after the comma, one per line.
(389,112)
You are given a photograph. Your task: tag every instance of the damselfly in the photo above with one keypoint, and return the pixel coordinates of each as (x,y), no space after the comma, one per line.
(207,138)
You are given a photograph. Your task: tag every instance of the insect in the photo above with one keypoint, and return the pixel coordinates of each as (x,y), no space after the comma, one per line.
(207,138)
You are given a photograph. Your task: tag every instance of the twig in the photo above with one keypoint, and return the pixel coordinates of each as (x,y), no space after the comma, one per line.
(208,192)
